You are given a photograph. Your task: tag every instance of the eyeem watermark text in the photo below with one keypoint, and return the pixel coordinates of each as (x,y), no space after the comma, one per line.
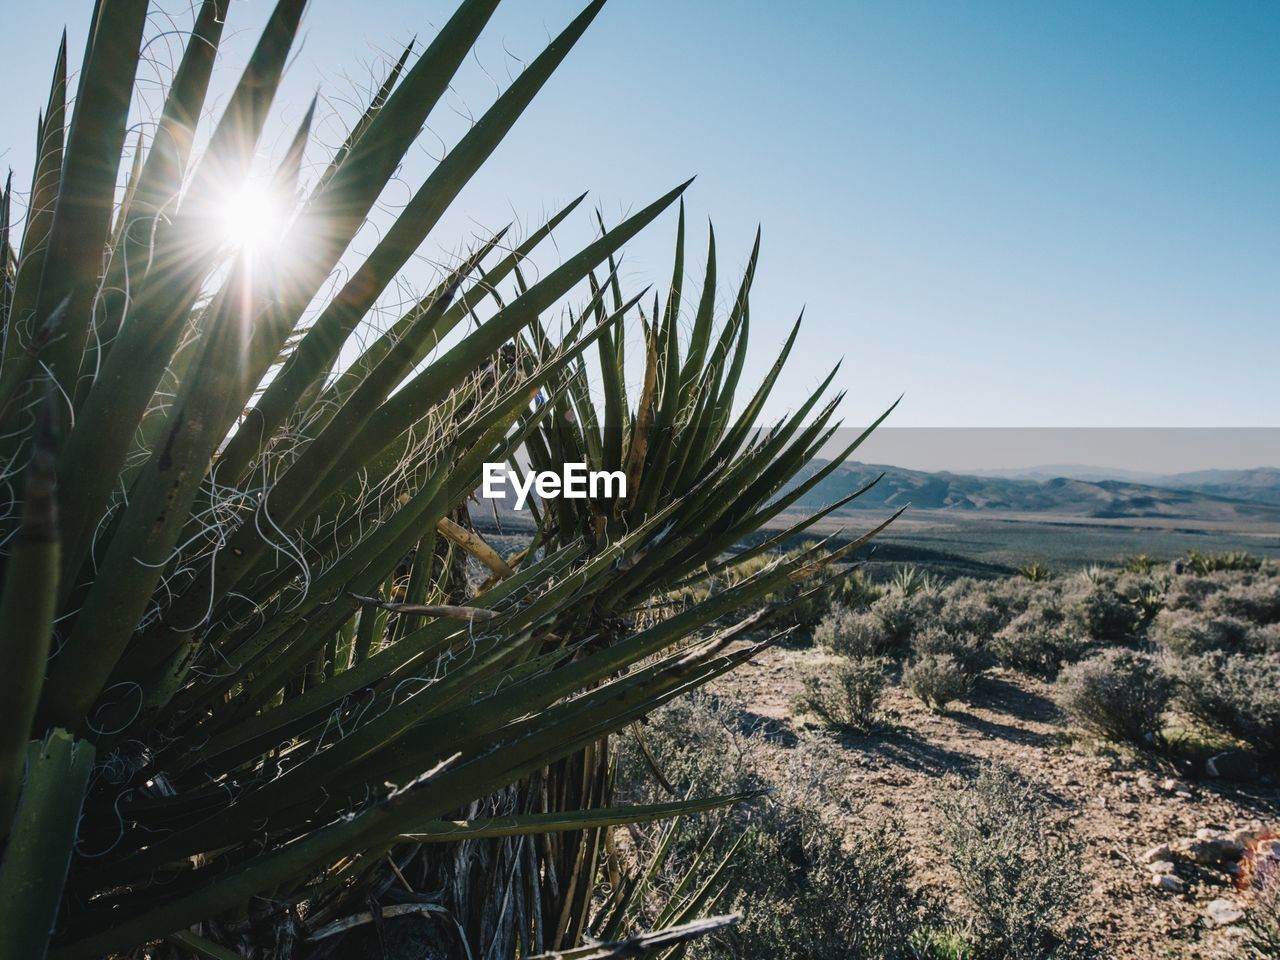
(574,482)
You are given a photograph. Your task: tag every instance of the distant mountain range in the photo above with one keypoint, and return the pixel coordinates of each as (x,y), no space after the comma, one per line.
(1260,484)
(1213,495)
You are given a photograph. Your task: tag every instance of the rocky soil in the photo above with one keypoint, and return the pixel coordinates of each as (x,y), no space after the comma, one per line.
(1154,892)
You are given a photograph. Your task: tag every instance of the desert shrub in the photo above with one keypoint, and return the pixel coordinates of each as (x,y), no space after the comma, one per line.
(846,694)
(1130,585)
(900,613)
(707,745)
(1189,592)
(804,611)
(854,589)
(803,890)
(970,652)
(984,607)
(1095,574)
(882,629)
(851,633)
(1257,601)
(1265,639)
(1100,613)
(806,607)
(1196,591)
(943,943)
(1038,641)
(1187,633)
(937,679)
(1262,919)
(682,736)
(806,894)
(1233,693)
(976,607)
(974,614)
(1020,877)
(1117,694)
(1016,594)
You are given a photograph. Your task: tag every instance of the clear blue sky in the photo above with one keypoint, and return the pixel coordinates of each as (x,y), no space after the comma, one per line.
(1019,214)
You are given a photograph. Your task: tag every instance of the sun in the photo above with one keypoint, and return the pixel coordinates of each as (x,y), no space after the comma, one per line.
(252,217)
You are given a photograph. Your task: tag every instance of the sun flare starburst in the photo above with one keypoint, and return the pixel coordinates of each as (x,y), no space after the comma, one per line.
(252,217)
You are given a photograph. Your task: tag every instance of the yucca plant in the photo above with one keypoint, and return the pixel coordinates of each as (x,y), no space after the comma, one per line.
(909,580)
(1203,564)
(247,688)
(709,476)
(1036,572)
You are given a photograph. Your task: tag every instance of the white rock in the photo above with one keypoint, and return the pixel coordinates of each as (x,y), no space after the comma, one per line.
(1208,833)
(1162,866)
(1222,913)
(1168,882)
(1161,851)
